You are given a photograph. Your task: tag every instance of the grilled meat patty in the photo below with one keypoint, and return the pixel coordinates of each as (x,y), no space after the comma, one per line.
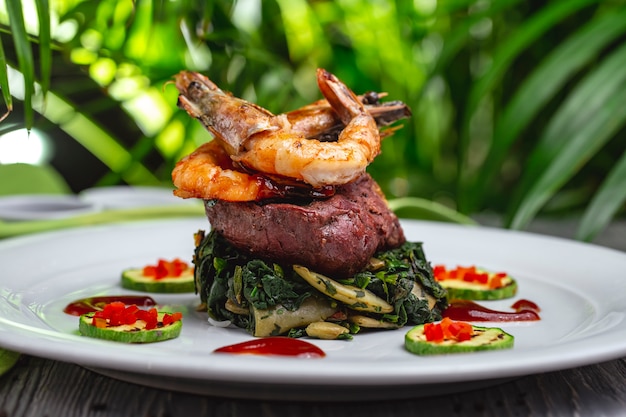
(336,236)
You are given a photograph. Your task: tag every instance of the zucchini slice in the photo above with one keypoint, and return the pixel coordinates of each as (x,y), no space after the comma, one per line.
(134,279)
(467,289)
(483,338)
(130,333)
(478,292)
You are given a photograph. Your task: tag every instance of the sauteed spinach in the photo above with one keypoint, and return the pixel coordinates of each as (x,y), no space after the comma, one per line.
(238,288)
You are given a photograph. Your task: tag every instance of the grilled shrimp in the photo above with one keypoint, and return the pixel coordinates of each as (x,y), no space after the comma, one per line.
(290,146)
(282,152)
(319,121)
(209,173)
(232,120)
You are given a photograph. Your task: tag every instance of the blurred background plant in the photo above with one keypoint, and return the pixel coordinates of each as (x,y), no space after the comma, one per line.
(519,107)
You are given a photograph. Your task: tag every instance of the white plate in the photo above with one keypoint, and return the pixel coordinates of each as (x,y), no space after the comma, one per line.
(43,206)
(579,287)
(125,196)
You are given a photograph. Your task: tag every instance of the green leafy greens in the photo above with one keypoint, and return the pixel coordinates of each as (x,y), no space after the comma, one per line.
(232,284)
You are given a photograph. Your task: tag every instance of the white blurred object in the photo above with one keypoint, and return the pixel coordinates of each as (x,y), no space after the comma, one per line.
(42,206)
(125,196)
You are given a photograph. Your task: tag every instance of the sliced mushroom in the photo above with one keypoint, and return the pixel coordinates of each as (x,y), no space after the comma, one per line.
(278,320)
(233,307)
(355,298)
(325,330)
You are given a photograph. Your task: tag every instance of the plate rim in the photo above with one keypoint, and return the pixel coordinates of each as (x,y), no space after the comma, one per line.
(223,369)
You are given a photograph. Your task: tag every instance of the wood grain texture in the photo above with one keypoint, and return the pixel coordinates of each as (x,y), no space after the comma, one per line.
(39,387)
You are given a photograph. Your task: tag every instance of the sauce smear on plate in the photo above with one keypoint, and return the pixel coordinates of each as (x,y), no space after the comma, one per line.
(91,304)
(281,346)
(465,310)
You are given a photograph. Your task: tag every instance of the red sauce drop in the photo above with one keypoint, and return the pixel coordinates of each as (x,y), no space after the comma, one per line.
(525,305)
(282,346)
(465,310)
(90,304)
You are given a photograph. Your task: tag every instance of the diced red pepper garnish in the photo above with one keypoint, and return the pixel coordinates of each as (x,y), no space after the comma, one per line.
(496,281)
(164,268)
(171,318)
(99,322)
(118,313)
(149,317)
(433,332)
(448,329)
(469,274)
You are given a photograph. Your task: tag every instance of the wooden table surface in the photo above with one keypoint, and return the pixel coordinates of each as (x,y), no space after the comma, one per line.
(41,387)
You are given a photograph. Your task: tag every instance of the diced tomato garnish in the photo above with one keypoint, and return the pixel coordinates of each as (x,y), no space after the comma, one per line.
(448,329)
(171,318)
(99,322)
(165,269)
(433,332)
(469,274)
(117,314)
(149,317)
(440,272)
(150,270)
(496,282)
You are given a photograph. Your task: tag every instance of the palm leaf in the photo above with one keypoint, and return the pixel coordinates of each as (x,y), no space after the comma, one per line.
(97,140)
(45,51)
(530,31)
(541,86)
(419,208)
(461,31)
(24,57)
(4,84)
(605,203)
(575,114)
(602,122)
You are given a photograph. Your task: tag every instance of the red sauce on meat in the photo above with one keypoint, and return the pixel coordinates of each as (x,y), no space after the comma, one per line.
(90,304)
(270,188)
(282,346)
(465,310)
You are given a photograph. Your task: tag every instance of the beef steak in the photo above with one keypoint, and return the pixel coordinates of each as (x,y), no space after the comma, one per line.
(335,237)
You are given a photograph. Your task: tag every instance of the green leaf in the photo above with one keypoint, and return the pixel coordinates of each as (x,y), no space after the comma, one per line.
(418,208)
(4,83)
(97,140)
(576,112)
(581,109)
(527,33)
(8,359)
(45,50)
(601,125)
(605,203)
(31,179)
(540,87)
(24,57)
(461,32)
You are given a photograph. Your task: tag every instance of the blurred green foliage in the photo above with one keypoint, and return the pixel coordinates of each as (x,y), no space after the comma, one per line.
(519,107)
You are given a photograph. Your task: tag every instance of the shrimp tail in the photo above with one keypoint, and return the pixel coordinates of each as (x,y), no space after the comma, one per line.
(230,120)
(343,100)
